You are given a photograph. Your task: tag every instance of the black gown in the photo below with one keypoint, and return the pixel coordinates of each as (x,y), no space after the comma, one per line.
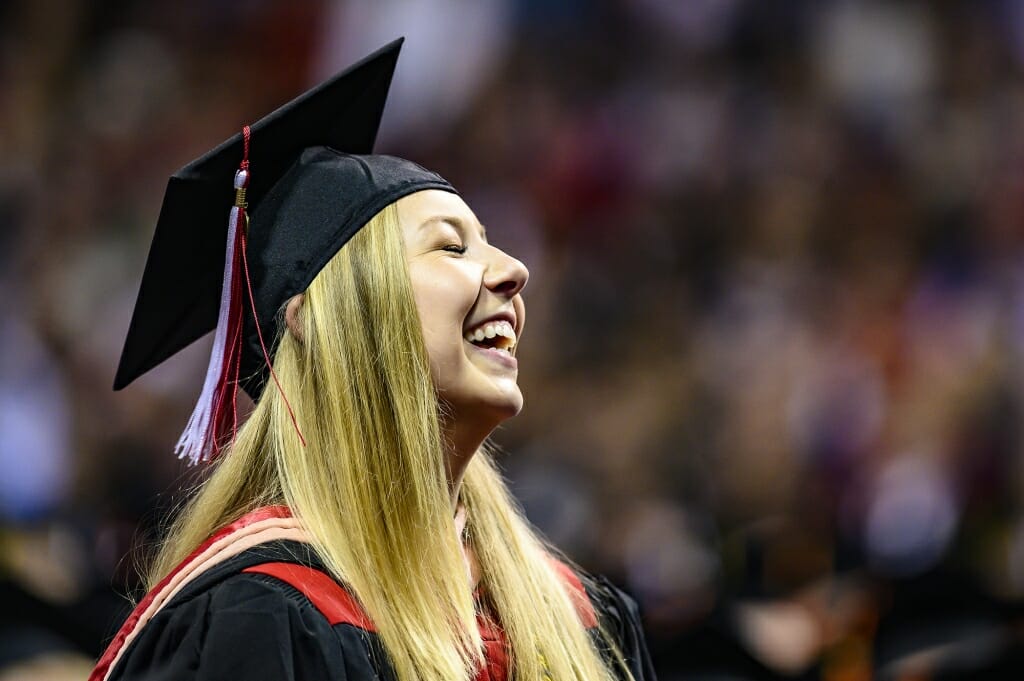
(232,624)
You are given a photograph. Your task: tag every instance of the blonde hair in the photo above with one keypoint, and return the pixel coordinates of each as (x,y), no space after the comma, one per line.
(370,484)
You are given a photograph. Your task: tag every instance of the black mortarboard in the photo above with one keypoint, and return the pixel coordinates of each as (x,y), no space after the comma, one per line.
(319,204)
(308,192)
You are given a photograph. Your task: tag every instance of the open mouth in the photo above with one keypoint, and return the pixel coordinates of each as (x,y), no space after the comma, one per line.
(497,335)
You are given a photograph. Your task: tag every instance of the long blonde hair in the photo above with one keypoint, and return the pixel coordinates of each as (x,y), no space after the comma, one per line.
(371,490)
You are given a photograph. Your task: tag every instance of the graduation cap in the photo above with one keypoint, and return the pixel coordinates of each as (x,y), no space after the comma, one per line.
(305,175)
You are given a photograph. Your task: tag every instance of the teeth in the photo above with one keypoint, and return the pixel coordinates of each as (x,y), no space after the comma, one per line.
(491,330)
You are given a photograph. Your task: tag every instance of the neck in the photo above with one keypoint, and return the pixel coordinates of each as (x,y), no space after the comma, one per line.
(461,443)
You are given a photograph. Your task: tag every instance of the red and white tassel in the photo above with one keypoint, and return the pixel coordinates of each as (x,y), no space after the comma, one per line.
(211,418)
(216,411)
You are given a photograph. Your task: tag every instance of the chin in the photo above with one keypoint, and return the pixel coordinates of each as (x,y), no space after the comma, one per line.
(509,401)
(505,407)
(489,411)
(512,408)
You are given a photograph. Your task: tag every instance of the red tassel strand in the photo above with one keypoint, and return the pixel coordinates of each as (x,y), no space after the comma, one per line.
(266,355)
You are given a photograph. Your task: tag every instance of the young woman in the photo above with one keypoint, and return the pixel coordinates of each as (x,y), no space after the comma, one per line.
(355,527)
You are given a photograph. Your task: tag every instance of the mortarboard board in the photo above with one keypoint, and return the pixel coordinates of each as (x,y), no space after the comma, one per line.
(304,173)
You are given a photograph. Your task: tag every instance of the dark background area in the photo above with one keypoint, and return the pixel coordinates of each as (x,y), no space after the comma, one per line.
(773,366)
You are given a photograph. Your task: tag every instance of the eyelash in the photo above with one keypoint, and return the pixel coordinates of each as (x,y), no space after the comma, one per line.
(455,248)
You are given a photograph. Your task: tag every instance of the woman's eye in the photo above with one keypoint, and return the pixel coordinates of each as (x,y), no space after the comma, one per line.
(455,248)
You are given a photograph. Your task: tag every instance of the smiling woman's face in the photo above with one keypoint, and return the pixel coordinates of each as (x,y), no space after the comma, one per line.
(465,288)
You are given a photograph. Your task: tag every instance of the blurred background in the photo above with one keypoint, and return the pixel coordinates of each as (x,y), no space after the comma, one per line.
(774,366)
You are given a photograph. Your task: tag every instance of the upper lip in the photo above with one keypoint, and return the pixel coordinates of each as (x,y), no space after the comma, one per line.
(509,317)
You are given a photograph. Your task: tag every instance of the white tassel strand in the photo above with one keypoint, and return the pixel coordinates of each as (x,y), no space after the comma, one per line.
(197,441)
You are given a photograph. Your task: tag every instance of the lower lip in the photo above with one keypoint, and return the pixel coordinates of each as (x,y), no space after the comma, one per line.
(499,356)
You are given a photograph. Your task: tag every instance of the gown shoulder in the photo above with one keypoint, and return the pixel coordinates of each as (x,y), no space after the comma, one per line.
(619,616)
(242,625)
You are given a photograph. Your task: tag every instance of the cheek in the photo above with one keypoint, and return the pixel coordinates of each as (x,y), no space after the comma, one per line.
(443,301)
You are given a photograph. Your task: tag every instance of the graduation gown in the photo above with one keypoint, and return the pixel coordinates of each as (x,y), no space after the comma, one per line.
(259,605)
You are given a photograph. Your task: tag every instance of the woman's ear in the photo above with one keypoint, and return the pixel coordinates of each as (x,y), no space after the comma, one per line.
(291,315)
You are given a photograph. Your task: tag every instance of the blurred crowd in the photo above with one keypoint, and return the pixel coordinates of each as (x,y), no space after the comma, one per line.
(774,364)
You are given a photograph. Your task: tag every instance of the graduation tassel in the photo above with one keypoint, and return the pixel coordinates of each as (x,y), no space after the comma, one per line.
(203,434)
(225,420)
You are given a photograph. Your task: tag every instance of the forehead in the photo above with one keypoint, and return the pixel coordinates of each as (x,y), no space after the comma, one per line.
(420,207)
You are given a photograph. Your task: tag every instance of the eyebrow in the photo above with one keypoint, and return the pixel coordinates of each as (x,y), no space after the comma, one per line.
(456,222)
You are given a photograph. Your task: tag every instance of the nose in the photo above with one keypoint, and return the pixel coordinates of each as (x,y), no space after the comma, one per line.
(504,274)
